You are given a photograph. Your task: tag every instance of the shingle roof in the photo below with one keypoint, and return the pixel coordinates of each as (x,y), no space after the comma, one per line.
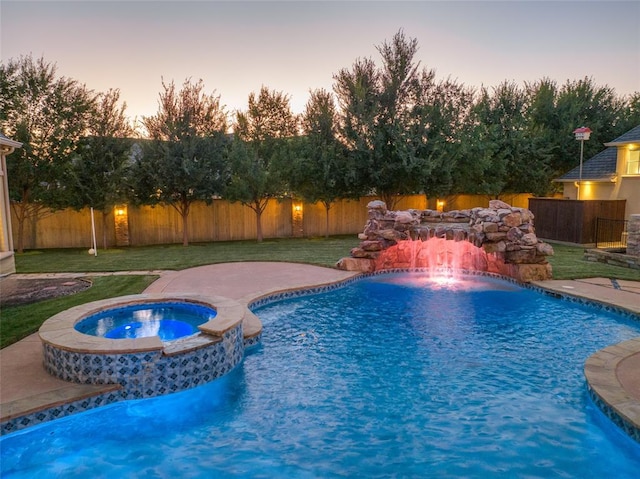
(603,165)
(9,142)
(632,136)
(599,167)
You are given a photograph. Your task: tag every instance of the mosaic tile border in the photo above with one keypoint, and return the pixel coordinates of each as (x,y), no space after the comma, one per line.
(300,292)
(627,427)
(584,301)
(151,373)
(252,341)
(57,412)
(307,291)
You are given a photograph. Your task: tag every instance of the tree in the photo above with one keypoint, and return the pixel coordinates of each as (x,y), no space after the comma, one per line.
(512,160)
(100,174)
(185,161)
(554,112)
(261,152)
(320,172)
(380,121)
(445,109)
(631,114)
(48,115)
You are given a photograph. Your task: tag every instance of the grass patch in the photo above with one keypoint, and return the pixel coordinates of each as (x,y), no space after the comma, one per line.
(18,322)
(568,263)
(318,251)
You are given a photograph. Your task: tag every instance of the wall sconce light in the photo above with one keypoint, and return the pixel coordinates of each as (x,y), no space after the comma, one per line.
(119,212)
(297,219)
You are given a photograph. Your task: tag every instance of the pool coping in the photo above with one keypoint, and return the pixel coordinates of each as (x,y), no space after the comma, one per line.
(604,371)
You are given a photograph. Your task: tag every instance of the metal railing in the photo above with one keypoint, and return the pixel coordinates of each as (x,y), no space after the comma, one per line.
(611,233)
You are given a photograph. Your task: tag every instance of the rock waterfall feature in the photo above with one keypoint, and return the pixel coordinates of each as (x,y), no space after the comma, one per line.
(499,239)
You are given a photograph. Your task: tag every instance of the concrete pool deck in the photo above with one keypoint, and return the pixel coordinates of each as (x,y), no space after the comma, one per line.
(26,387)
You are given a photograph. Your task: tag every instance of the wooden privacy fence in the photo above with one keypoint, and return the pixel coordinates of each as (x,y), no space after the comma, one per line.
(219,221)
(573,221)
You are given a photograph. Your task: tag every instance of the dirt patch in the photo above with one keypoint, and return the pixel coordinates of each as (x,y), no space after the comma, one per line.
(25,291)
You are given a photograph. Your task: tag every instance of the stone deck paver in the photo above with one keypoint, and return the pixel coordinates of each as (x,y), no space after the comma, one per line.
(23,378)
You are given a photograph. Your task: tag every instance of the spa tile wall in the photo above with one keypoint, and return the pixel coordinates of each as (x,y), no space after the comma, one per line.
(141,375)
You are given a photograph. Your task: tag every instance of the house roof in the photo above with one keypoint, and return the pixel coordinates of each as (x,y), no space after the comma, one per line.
(632,136)
(9,142)
(600,167)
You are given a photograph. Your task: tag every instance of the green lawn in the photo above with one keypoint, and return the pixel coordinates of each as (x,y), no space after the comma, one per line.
(568,263)
(19,321)
(320,251)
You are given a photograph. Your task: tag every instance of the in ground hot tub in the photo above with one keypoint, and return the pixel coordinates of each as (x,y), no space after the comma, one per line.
(167,320)
(148,344)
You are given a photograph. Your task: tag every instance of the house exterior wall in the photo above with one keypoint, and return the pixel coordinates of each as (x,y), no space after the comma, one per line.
(626,187)
(7,260)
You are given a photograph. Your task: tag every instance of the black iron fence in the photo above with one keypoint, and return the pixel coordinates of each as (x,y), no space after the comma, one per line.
(611,233)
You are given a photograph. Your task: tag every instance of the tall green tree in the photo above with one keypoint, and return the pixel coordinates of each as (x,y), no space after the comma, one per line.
(186,158)
(555,111)
(101,168)
(631,112)
(261,153)
(380,121)
(48,115)
(445,109)
(512,160)
(321,172)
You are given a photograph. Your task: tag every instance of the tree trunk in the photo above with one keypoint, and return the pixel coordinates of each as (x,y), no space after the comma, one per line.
(185,233)
(104,229)
(21,210)
(258,211)
(182,207)
(390,199)
(327,207)
(20,216)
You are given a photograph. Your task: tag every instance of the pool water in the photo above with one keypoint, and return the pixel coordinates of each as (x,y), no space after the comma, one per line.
(392,376)
(167,320)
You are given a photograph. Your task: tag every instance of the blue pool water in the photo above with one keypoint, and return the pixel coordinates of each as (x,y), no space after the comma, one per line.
(387,377)
(167,320)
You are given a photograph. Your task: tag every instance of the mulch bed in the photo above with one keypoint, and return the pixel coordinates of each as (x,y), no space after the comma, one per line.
(15,292)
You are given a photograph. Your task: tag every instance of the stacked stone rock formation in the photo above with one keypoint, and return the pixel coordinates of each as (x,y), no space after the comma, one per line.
(633,238)
(499,239)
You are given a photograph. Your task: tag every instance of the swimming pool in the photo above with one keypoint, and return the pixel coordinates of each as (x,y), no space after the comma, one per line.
(388,376)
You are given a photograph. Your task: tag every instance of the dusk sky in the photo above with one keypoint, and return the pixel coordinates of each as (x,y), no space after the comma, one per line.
(295,46)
